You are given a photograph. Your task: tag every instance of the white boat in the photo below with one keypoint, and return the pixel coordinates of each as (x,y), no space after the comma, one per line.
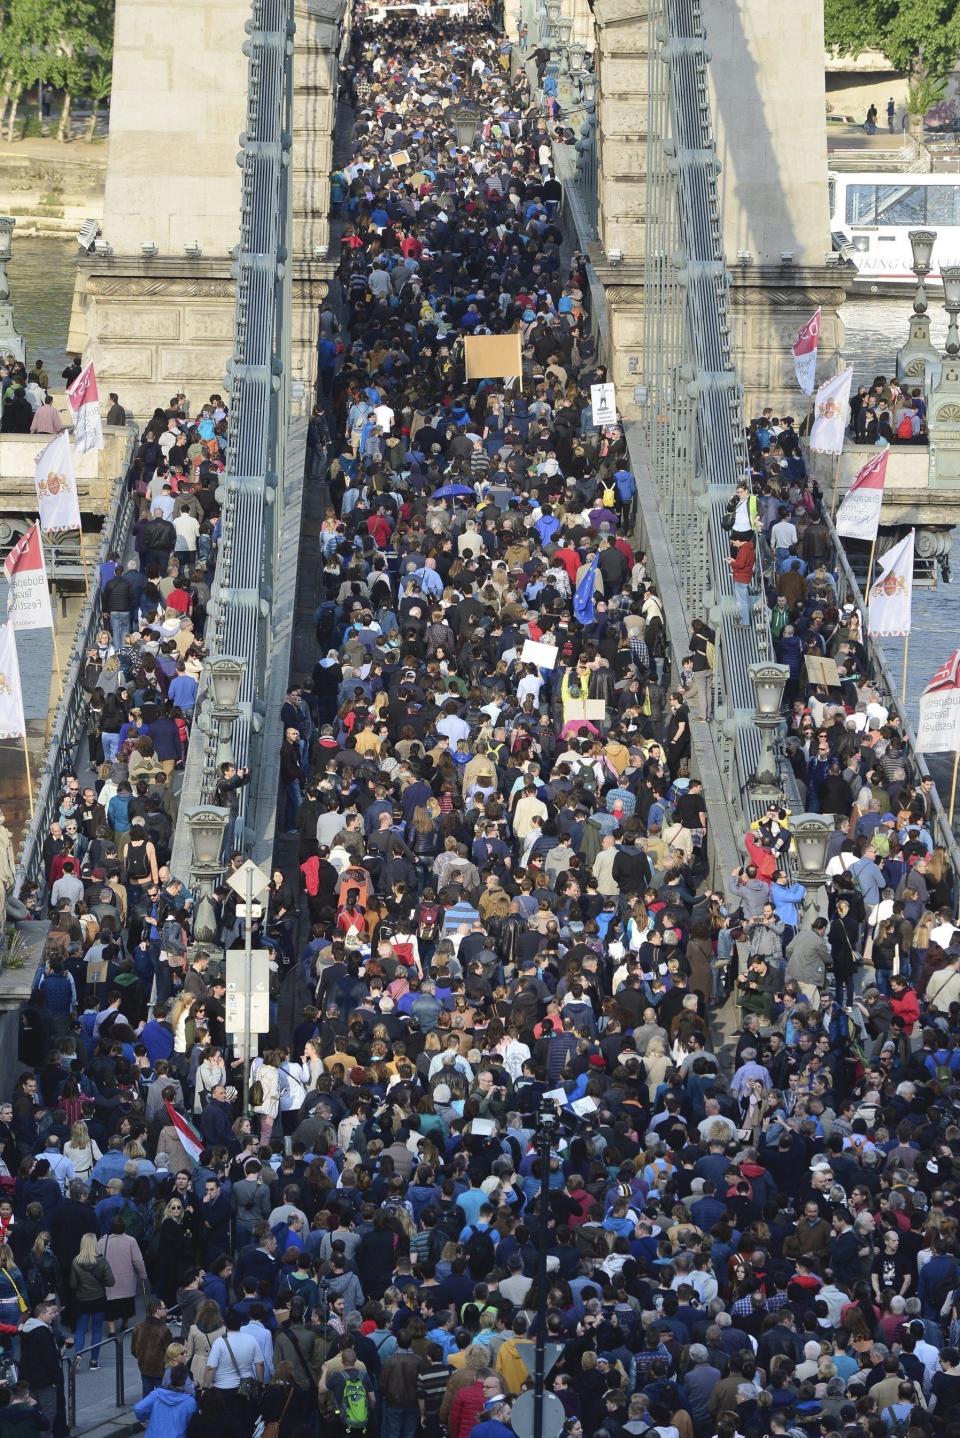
(872,214)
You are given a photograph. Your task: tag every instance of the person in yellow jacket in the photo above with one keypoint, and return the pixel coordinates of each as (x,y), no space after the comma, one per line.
(509,1365)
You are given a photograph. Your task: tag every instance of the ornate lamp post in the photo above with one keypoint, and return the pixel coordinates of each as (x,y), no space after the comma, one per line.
(769,682)
(226,675)
(918,352)
(466,122)
(207,825)
(811,834)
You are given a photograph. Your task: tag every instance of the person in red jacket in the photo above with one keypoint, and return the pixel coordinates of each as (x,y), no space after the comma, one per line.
(741,562)
(904,1003)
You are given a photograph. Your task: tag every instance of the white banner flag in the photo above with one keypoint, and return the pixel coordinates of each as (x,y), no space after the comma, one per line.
(859,515)
(938,731)
(888,606)
(12,722)
(57,486)
(832,412)
(84,400)
(804,351)
(28,597)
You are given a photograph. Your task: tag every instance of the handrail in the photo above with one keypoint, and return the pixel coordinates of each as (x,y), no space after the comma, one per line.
(71,709)
(70,1361)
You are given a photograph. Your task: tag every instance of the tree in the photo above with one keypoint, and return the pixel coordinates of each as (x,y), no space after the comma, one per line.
(921,38)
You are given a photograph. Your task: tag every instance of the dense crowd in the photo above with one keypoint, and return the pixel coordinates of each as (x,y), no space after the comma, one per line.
(498,907)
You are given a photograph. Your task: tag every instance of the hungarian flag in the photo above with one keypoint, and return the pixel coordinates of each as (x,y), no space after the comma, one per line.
(888,605)
(804,351)
(939,729)
(193,1144)
(831,413)
(859,515)
(28,598)
(84,400)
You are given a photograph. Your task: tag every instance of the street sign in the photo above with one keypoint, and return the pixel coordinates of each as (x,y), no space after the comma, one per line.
(528,1352)
(256,911)
(554,1414)
(259,991)
(241,884)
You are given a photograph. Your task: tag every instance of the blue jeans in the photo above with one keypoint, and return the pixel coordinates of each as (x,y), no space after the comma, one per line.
(118,629)
(148,1384)
(741,593)
(95,1323)
(111,743)
(294,800)
(398,1422)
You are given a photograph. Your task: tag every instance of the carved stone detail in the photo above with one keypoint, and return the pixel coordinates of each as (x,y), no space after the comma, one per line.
(949,412)
(176,289)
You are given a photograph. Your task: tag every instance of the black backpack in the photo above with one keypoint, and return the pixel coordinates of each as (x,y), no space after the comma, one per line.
(480,1254)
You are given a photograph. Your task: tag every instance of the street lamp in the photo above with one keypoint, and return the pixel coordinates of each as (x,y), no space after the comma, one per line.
(575,56)
(466,122)
(918,352)
(921,245)
(225,675)
(769,682)
(590,90)
(951,303)
(811,835)
(206,825)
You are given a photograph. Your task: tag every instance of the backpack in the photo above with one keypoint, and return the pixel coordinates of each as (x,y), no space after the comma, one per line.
(256,1093)
(354,1409)
(480,1254)
(898,1426)
(428,923)
(944,1074)
(905,431)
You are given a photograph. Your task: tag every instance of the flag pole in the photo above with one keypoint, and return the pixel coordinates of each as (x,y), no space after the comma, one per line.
(953,787)
(26,758)
(873,551)
(56,655)
(906,660)
(836,486)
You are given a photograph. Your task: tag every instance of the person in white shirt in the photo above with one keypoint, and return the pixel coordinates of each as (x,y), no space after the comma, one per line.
(188,532)
(783,535)
(385,417)
(235,1355)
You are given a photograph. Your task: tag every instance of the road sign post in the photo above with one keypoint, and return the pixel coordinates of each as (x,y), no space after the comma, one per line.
(249,882)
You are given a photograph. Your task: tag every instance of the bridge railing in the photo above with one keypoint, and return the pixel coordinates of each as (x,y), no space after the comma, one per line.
(70,717)
(693,422)
(238,616)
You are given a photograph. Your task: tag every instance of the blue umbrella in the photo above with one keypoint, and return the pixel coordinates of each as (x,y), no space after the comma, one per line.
(453,491)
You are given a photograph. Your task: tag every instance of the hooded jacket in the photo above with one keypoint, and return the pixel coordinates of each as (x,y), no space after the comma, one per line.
(39,1355)
(166,1411)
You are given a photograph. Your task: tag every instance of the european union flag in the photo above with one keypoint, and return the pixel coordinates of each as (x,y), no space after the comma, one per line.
(583,596)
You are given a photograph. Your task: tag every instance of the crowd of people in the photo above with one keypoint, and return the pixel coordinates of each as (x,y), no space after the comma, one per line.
(497,907)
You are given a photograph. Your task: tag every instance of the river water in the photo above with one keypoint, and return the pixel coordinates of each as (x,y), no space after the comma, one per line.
(41,282)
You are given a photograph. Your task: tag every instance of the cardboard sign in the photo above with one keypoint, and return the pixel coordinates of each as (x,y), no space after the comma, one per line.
(97,971)
(543,655)
(399,157)
(603,401)
(492,356)
(585,709)
(822,671)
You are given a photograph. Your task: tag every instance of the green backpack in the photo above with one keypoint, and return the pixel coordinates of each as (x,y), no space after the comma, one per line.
(354,1404)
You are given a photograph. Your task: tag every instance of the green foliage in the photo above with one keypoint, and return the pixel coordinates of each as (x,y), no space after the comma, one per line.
(924,92)
(66,44)
(919,37)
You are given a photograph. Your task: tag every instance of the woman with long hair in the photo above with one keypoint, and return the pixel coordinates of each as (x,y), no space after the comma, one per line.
(265,1072)
(81,1150)
(184,1032)
(206,1328)
(176,1247)
(42,1270)
(90,1277)
(14,1299)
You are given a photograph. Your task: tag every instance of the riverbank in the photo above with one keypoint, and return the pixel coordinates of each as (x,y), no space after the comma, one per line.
(51,189)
